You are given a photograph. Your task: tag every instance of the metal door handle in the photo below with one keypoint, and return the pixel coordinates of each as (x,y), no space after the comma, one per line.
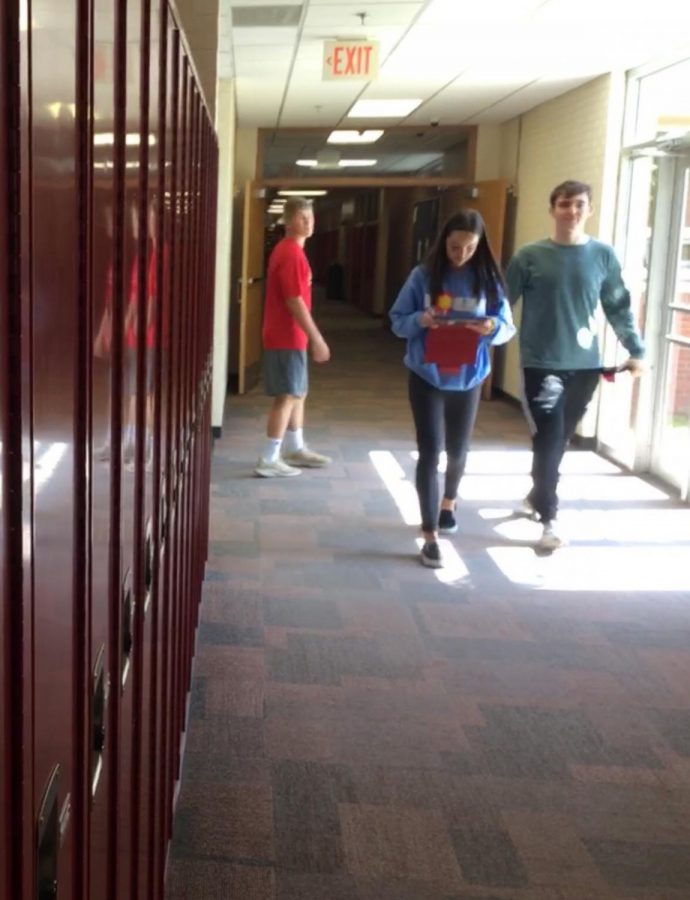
(48,840)
(99,701)
(126,627)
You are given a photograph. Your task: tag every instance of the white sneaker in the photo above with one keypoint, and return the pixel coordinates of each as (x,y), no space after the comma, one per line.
(307,458)
(277,469)
(550,539)
(528,510)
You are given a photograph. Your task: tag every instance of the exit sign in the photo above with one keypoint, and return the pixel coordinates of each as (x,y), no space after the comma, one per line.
(350,60)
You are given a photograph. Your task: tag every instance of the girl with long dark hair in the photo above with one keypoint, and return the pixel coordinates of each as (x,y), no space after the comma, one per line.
(456,295)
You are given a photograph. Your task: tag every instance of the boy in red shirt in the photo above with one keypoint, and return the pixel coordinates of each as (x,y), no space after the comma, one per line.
(288,329)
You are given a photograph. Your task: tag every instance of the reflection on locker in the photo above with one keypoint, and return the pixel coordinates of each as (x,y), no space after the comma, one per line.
(108,161)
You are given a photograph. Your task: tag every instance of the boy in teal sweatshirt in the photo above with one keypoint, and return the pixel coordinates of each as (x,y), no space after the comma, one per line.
(561,281)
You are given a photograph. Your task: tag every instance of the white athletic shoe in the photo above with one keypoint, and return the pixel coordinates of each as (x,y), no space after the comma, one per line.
(550,539)
(307,459)
(528,510)
(277,469)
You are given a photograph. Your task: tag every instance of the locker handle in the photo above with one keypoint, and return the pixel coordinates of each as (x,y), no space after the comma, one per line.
(127,627)
(48,840)
(163,515)
(98,705)
(148,564)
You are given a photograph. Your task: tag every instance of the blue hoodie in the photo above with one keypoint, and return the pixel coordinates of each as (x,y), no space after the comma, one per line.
(411,302)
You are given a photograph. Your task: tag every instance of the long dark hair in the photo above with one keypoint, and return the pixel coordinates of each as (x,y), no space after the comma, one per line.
(487,274)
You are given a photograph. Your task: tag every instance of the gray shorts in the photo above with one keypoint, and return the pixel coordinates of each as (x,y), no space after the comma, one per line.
(285,372)
(130,364)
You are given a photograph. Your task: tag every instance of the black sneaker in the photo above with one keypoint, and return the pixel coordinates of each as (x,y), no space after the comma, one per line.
(446,522)
(431,555)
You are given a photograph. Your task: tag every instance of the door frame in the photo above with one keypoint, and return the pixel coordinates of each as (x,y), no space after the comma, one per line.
(672,174)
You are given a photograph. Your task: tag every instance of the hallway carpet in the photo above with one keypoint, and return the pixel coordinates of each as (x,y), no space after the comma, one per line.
(511,727)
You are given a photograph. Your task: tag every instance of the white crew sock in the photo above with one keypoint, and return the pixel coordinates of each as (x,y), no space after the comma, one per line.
(293,440)
(271,451)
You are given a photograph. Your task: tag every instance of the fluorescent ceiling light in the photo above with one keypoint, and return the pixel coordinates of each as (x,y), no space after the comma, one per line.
(357,162)
(382,108)
(308,163)
(354,137)
(302,193)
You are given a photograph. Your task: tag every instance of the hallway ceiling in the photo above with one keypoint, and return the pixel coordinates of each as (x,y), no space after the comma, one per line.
(469,62)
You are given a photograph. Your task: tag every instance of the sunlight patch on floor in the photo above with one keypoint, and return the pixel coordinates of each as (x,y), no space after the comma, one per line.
(595,526)
(512,488)
(519,462)
(643,546)
(401,490)
(616,569)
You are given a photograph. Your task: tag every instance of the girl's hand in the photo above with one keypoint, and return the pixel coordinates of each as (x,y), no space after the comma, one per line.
(485,327)
(428,320)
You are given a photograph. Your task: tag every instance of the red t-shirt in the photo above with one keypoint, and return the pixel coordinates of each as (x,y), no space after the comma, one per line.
(131,335)
(289,275)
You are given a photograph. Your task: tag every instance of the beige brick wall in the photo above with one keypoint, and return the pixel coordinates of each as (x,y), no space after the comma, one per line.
(488,153)
(574,136)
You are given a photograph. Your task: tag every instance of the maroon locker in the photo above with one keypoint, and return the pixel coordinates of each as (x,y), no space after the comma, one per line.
(103,562)
(179,636)
(152,831)
(146,339)
(10,438)
(51,297)
(135,481)
(23,721)
(104,661)
(171,377)
(191,315)
(169,41)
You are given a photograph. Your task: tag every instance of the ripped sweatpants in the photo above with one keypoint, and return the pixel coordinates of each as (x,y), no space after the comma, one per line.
(556,400)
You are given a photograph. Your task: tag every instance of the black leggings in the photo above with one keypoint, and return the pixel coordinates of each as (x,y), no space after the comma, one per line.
(436,411)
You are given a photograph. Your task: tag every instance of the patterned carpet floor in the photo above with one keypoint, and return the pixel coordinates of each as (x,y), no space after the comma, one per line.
(511,727)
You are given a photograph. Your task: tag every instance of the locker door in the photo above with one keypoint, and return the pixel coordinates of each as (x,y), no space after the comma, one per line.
(168,452)
(178,549)
(145,479)
(158,834)
(192,294)
(131,241)
(54,293)
(104,650)
(7,290)
(22,479)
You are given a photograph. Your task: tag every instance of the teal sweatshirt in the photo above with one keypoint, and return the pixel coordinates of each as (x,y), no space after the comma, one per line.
(561,286)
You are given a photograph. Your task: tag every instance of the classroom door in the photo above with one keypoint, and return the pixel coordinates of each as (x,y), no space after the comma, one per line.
(251,288)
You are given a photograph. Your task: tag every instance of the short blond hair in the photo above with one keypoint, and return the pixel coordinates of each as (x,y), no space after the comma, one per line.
(293,206)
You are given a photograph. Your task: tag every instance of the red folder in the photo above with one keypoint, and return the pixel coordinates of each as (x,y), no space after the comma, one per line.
(451,346)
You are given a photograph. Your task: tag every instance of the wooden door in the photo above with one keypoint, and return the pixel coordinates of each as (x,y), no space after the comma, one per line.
(251,288)
(491,202)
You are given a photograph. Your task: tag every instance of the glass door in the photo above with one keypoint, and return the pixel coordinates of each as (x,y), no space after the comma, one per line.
(620,414)
(670,451)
